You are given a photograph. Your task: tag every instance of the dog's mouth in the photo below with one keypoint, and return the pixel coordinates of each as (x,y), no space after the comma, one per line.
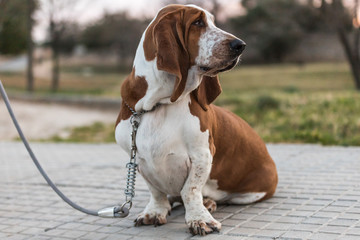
(211,71)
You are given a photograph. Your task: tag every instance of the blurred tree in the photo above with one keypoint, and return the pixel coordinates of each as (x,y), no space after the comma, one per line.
(274,27)
(116,32)
(346,23)
(13,28)
(58,15)
(70,38)
(31,6)
(16,31)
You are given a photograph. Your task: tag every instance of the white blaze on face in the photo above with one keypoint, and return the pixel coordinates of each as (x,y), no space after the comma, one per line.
(213,44)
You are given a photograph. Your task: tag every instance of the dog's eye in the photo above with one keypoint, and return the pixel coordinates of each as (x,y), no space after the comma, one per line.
(199,23)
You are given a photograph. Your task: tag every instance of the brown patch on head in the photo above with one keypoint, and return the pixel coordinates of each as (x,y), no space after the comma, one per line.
(172,39)
(132,90)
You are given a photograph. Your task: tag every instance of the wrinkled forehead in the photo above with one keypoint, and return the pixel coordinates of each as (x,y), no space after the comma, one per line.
(209,17)
(190,8)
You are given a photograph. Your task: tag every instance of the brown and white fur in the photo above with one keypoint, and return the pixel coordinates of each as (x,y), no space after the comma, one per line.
(188,147)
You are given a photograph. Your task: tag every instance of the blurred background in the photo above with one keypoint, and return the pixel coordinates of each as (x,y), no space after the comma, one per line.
(63,62)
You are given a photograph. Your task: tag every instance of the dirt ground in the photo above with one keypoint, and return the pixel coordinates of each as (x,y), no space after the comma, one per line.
(41,120)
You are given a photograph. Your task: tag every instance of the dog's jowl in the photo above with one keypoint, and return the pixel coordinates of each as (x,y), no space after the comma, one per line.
(186,146)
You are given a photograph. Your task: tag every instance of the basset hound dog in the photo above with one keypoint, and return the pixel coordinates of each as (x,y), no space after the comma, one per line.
(186,146)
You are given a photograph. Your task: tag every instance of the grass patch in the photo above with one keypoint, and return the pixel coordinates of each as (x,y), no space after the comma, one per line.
(321,117)
(312,103)
(97,132)
(71,83)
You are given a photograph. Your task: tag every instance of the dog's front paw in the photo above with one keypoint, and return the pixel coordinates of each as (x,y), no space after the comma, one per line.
(150,219)
(201,222)
(202,228)
(153,215)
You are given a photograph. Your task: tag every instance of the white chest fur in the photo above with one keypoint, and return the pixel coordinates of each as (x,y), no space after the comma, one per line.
(166,139)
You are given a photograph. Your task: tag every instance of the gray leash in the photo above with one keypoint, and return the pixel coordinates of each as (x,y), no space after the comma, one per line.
(119,211)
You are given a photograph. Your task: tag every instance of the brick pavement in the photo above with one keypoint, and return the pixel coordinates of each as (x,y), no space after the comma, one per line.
(318,196)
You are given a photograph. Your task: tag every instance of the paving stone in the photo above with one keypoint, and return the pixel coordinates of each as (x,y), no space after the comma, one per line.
(243,216)
(306,227)
(300,213)
(54,232)
(326,236)
(254,224)
(277,212)
(280,226)
(354,231)
(106,229)
(350,216)
(17,237)
(37,237)
(269,233)
(318,196)
(94,235)
(14,229)
(243,231)
(349,237)
(32,231)
(288,219)
(343,222)
(333,229)
(232,222)
(316,220)
(118,237)
(296,235)
(73,234)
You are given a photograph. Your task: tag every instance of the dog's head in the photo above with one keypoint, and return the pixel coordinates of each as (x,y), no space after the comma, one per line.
(184,41)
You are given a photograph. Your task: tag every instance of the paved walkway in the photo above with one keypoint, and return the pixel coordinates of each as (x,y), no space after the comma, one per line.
(318,196)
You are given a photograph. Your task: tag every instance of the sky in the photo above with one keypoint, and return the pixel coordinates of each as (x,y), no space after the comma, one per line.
(85,11)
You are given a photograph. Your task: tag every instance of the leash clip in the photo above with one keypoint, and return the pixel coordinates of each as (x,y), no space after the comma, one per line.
(114,212)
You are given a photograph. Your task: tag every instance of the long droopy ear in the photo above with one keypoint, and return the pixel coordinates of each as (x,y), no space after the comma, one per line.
(167,37)
(207,91)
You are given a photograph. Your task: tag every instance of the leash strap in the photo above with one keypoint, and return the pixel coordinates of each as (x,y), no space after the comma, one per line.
(116,211)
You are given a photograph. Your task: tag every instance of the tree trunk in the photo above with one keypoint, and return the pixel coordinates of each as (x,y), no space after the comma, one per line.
(30,76)
(55,58)
(337,17)
(356,23)
(351,56)
(55,70)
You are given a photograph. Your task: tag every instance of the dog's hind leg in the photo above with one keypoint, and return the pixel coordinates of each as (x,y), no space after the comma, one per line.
(209,204)
(175,199)
(156,211)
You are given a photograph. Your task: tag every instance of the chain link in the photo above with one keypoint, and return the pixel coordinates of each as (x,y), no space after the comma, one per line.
(132,165)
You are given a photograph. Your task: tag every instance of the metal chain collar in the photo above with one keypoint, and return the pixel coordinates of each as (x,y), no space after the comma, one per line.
(132,165)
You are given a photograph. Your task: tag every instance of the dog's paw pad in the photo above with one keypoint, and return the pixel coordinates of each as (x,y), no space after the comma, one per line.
(209,204)
(150,220)
(202,228)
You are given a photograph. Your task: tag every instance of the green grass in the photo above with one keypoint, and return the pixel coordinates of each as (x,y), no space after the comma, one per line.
(97,132)
(315,103)
(312,103)
(71,83)
(329,118)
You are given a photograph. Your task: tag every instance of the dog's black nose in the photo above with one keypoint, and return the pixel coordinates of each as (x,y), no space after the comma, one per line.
(237,46)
